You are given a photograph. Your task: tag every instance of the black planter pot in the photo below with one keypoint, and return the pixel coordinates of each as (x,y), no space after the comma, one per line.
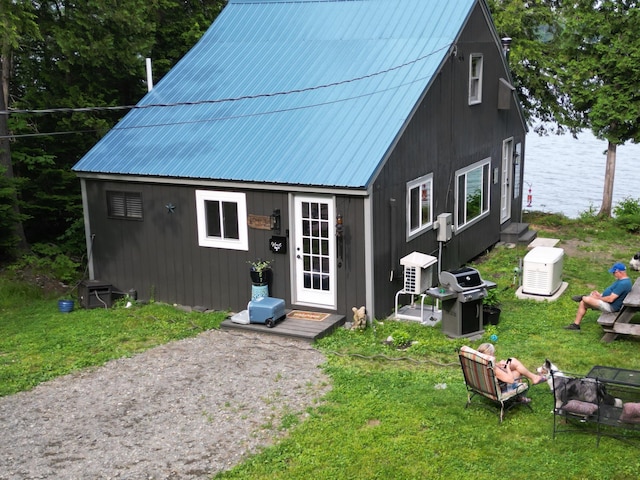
(261,278)
(490,315)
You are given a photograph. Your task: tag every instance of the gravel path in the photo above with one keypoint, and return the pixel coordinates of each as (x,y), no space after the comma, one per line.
(185,410)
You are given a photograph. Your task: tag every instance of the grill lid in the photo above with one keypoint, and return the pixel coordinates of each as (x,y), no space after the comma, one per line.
(463,279)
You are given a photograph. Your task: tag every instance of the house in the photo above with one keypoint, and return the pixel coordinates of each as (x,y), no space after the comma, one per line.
(330,136)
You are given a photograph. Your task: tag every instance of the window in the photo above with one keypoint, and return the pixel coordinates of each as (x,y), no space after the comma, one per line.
(419,205)
(475,78)
(517,170)
(472,193)
(124,205)
(222,220)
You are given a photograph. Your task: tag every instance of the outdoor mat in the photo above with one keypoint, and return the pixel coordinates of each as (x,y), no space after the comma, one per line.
(304,315)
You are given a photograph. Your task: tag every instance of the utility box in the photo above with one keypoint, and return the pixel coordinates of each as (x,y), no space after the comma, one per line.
(444,231)
(542,271)
(95,294)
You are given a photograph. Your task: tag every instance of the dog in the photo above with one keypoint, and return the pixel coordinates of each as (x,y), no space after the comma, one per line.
(566,388)
(634,263)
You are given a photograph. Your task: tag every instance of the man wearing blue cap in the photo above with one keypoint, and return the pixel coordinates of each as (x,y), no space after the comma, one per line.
(608,301)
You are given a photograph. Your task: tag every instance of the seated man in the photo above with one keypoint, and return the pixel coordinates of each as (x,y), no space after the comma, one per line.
(608,301)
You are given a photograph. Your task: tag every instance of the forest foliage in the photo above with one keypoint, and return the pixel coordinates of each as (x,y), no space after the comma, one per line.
(70,69)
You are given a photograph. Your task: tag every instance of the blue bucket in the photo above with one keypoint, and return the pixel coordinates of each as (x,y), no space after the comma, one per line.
(65,306)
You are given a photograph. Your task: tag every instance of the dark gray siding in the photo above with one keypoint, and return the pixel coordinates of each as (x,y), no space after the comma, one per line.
(160,258)
(444,135)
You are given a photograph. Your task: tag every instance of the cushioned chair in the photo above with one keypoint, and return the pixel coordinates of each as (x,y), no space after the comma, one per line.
(480,379)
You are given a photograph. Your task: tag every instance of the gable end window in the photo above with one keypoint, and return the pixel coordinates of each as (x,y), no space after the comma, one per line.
(472,193)
(124,205)
(419,205)
(222,220)
(475,78)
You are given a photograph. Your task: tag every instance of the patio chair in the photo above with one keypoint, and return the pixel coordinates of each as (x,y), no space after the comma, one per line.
(480,379)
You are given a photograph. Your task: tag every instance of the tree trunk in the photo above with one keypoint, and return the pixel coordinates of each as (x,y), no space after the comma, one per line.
(5,151)
(609,174)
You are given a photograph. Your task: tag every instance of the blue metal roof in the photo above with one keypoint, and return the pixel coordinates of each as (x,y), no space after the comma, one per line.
(310,92)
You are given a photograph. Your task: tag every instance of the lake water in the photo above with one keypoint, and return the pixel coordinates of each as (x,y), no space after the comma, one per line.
(566,175)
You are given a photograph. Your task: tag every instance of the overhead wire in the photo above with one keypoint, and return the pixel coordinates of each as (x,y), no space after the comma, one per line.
(11,111)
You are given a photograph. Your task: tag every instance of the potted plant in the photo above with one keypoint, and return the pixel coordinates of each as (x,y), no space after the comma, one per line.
(491,307)
(260,271)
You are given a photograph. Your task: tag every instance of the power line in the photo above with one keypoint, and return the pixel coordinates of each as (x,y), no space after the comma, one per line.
(22,135)
(216,101)
(11,111)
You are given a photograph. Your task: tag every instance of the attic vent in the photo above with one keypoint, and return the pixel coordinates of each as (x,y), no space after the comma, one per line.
(124,205)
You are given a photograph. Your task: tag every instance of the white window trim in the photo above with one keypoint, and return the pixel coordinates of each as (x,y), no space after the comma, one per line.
(475,80)
(410,186)
(486,182)
(240,199)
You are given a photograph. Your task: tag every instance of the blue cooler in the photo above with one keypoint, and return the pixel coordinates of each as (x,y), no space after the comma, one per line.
(266,310)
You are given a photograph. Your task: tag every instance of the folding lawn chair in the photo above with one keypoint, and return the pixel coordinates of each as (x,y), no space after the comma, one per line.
(480,379)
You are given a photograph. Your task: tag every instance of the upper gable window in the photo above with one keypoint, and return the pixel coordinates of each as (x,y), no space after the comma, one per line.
(472,193)
(222,220)
(124,205)
(419,205)
(475,78)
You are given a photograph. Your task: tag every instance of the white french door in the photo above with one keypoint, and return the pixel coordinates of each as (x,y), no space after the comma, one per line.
(314,251)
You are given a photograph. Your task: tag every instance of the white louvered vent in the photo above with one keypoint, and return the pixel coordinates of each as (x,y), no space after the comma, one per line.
(418,275)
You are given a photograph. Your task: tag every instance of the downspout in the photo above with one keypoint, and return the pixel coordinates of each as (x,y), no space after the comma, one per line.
(89,236)
(394,251)
(368,258)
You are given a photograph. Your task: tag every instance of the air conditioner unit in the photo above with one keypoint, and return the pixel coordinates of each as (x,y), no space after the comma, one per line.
(542,271)
(418,276)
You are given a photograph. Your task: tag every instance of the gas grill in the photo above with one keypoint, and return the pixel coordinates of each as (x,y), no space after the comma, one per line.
(462,301)
(466,282)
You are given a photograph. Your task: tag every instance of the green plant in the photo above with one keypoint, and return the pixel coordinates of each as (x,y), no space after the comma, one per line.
(400,339)
(627,214)
(492,299)
(48,259)
(260,265)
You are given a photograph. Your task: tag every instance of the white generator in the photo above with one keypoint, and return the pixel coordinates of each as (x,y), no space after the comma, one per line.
(542,271)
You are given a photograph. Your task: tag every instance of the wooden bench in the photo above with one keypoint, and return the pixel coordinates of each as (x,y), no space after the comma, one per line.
(616,323)
(614,412)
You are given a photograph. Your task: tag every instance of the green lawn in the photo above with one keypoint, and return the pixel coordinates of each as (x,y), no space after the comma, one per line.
(391,414)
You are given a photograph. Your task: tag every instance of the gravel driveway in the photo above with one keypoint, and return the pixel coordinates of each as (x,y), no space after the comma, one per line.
(184,410)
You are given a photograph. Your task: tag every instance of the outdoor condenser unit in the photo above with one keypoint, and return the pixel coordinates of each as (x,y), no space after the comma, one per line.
(542,271)
(418,277)
(417,274)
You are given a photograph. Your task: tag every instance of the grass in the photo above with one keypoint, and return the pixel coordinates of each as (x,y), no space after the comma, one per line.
(38,343)
(391,413)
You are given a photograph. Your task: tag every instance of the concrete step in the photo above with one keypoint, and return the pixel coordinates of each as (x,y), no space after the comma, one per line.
(518,233)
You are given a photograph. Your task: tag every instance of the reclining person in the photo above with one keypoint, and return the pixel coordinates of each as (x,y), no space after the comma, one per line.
(510,372)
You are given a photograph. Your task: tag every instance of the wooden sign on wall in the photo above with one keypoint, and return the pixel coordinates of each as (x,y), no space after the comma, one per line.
(259,222)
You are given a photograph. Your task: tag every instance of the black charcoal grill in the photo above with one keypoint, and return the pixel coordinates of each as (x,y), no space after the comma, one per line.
(462,310)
